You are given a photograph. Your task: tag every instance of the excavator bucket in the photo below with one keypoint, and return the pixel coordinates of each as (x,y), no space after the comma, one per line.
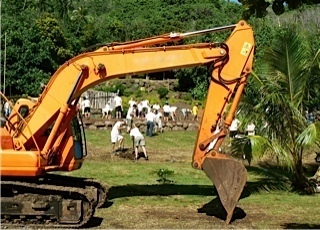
(229,177)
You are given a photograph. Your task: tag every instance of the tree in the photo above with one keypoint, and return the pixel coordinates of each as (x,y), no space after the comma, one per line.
(28,59)
(42,5)
(34,51)
(50,30)
(194,80)
(277,104)
(81,17)
(259,7)
(63,7)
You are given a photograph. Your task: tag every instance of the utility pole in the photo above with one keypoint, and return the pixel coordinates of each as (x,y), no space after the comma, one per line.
(0,45)
(4,63)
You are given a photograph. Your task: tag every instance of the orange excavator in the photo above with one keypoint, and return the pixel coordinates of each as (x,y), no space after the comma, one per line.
(43,136)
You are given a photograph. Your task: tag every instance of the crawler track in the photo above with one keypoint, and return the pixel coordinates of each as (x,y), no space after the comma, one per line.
(51,202)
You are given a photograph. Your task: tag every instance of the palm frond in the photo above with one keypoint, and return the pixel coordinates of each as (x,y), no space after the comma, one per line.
(310,135)
(250,146)
(283,155)
(257,78)
(258,146)
(315,58)
(288,61)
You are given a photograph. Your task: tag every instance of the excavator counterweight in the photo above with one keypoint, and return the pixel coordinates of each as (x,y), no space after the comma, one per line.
(45,135)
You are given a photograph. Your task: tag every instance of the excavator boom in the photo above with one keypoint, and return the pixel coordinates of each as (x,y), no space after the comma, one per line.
(44,135)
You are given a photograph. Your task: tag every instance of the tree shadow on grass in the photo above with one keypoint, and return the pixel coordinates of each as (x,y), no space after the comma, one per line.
(310,168)
(269,178)
(213,208)
(300,226)
(131,190)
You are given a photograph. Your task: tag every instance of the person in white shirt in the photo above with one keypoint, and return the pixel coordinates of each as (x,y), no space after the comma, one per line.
(156,107)
(118,106)
(234,129)
(150,117)
(130,115)
(166,111)
(251,129)
(173,112)
(145,107)
(116,134)
(138,140)
(86,105)
(7,108)
(106,111)
(132,102)
(158,121)
(185,113)
(139,107)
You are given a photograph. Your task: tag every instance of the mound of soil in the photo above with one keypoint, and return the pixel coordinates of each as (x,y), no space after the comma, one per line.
(125,153)
(128,153)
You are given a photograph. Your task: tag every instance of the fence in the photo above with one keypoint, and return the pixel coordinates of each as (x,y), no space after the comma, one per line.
(99,99)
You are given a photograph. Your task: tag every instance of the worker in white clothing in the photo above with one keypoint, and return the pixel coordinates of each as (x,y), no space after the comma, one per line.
(251,129)
(116,135)
(138,140)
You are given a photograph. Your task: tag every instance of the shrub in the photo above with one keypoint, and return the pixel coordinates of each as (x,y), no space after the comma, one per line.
(187,97)
(153,99)
(138,94)
(119,87)
(163,92)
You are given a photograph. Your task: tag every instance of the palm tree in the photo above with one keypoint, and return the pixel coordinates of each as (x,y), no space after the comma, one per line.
(63,8)
(81,17)
(43,5)
(277,104)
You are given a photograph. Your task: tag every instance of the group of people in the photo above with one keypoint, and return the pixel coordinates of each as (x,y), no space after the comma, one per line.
(140,110)
(115,105)
(143,107)
(131,128)
(84,106)
(135,135)
(150,113)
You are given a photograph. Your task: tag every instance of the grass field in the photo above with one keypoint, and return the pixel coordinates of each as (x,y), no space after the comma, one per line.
(137,200)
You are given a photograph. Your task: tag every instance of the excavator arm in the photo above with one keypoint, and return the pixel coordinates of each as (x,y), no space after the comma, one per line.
(228,81)
(39,137)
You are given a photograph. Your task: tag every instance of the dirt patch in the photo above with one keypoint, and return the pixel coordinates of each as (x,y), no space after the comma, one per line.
(147,217)
(99,153)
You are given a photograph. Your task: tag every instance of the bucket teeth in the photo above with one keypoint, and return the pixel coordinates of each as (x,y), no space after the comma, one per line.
(229,178)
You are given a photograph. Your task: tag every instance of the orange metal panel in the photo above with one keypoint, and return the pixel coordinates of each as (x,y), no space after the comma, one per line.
(19,158)
(20,163)
(5,140)
(21,172)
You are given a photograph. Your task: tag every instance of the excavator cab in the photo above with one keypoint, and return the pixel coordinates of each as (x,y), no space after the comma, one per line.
(79,138)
